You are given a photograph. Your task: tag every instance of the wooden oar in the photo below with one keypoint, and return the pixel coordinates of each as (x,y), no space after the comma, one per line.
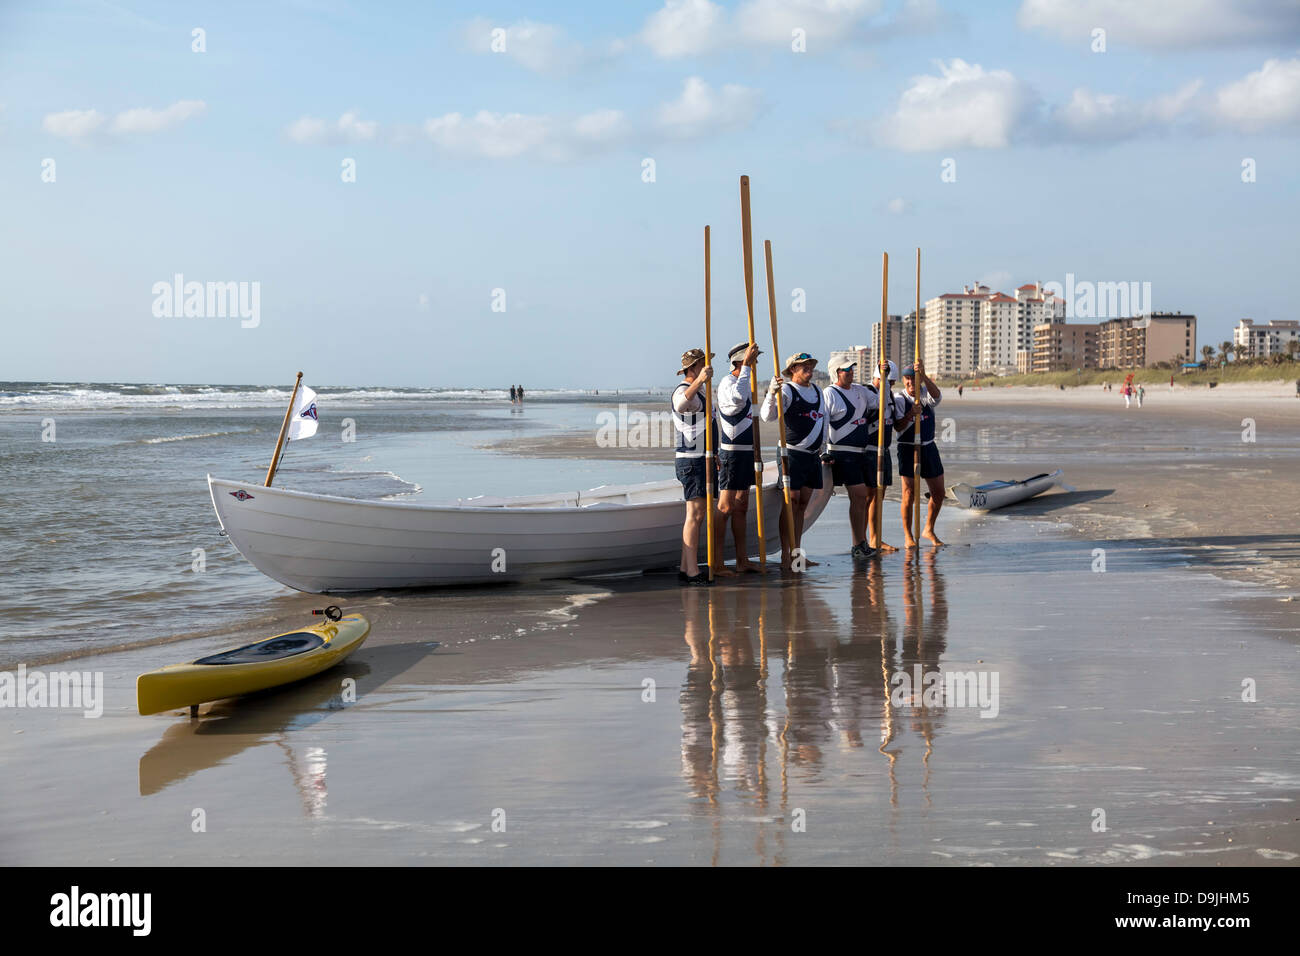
(883,390)
(916,414)
(783,471)
(747,245)
(275,459)
(709,477)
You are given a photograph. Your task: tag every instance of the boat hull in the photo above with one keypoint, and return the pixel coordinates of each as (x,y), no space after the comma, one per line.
(185,685)
(322,543)
(999,494)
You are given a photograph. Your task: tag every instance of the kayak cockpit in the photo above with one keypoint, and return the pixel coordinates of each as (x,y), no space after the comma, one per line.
(286,645)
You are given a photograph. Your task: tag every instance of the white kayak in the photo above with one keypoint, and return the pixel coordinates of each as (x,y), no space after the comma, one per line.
(322,543)
(997,494)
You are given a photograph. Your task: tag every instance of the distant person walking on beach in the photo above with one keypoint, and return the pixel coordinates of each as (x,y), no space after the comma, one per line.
(1141,394)
(917,383)
(1171,383)
(959,390)
(689,421)
(736,453)
(513,395)
(519,390)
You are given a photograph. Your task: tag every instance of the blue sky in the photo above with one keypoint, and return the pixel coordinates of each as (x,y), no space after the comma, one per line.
(522,170)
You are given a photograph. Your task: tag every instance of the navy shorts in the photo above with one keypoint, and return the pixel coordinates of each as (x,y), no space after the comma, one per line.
(870,465)
(931,465)
(690,472)
(735,470)
(850,468)
(804,470)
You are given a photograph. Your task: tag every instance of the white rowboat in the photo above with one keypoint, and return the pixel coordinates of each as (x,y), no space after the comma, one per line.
(322,543)
(997,494)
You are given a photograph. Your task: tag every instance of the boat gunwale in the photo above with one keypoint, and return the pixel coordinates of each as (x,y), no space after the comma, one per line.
(667,484)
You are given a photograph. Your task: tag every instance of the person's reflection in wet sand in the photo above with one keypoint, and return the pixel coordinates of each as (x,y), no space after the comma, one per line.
(810,631)
(925,639)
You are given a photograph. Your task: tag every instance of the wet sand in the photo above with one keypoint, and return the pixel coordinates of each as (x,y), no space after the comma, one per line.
(629,721)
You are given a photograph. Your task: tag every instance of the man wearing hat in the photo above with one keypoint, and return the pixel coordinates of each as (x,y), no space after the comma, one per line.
(804,411)
(848,415)
(892,409)
(736,452)
(916,381)
(689,421)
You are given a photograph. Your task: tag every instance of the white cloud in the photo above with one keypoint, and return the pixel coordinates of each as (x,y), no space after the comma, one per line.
(691,27)
(685,28)
(488,135)
(1110,117)
(81,125)
(73,124)
(1165,23)
(701,110)
(1270,96)
(965,105)
(772,21)
(146,120)
(540,47)
(349,128)
(896,206)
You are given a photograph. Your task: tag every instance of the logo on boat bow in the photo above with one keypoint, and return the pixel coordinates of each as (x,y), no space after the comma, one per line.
(242,495)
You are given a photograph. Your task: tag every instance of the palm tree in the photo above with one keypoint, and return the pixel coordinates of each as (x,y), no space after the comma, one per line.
(1291,348)
(1225,349)
(1208,352)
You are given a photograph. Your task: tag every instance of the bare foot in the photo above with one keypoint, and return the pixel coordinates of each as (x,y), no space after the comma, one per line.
(724,572)
(810,563)
(748,568)
(910,543)
(930,536)
(885,546)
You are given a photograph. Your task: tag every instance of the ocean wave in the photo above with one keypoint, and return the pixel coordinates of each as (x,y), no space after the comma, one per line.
(93,396)
(170,438)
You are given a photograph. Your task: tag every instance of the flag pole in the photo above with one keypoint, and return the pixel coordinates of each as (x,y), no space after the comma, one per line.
(279,445)
(747,246)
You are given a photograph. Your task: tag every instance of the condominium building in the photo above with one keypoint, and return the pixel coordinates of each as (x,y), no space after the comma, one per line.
(1262,341)
(1146,340)
(861,354)
(1061,346)
(900,338)
(979,329)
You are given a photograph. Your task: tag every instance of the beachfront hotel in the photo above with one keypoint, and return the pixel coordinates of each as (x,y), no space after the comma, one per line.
(980,330)
(1264,341)
(1146,340)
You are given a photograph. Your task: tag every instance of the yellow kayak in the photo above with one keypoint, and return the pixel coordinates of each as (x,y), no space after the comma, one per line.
(277,660)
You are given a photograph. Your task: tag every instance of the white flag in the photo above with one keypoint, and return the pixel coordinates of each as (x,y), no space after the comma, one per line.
(303,423)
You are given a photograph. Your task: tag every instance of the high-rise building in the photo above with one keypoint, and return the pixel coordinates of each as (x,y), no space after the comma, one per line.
(980,330)
(1262,341)
(1146,340)
(900,338)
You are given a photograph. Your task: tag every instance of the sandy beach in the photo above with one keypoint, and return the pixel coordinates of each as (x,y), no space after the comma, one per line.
(629,721)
